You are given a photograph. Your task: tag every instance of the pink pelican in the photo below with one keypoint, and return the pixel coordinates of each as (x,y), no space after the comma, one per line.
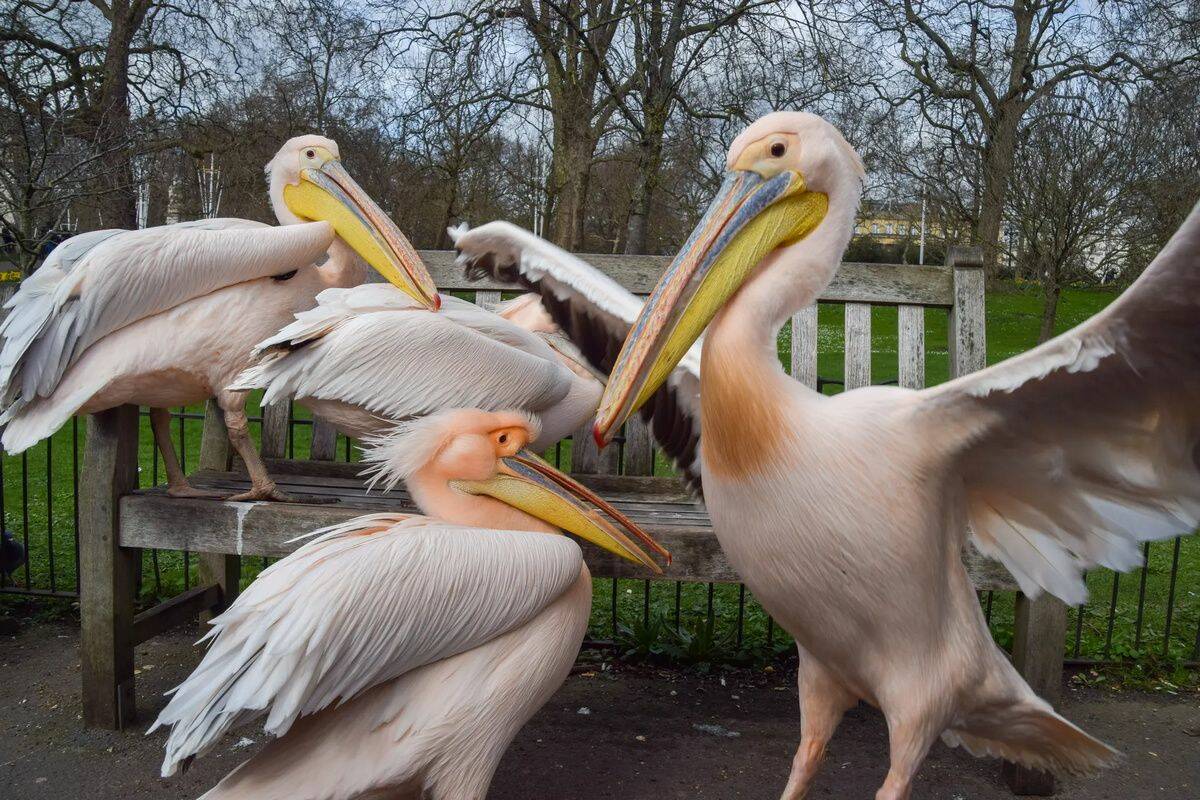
(366,357)
(846,515)
(397,655)
(168,316)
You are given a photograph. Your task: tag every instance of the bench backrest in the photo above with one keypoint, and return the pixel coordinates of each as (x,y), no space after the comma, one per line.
(958,287)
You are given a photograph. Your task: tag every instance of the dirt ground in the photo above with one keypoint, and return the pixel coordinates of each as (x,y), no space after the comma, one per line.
(636,733)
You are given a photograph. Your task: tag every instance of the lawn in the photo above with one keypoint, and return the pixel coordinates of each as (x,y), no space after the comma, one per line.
(1154,616)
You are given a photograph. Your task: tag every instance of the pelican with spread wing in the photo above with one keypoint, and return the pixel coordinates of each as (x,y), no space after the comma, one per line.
(846,515)
(397,655)
(369,356)
(168,316)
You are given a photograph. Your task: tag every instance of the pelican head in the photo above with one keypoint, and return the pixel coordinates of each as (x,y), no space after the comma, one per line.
(780,174)
(309,183)
(471,467)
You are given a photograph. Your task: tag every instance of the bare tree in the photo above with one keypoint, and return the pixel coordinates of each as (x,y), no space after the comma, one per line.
(976,68)
(1071,178)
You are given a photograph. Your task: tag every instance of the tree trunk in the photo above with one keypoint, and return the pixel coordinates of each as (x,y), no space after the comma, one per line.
(1051,291)
(443,239)
(998,153)
(649,168)
(113,133)
(570,170)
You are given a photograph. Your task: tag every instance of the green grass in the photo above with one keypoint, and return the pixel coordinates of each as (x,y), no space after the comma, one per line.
(1013,316)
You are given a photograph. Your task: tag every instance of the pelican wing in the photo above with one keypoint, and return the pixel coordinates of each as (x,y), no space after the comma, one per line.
(363,603)
(595,312)
(1079,449)
(98,282)
(374,347)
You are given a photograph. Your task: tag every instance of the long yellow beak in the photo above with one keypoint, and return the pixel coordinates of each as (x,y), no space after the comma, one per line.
(330,194)
(750,216)
(528,483)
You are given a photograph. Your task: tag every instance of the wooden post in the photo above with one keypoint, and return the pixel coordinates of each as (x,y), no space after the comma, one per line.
(324,441)
(1041,625)
(804,346)
(275,423)
(1039,632)
(217,568)
(638,450)
(106,569)
(968,336)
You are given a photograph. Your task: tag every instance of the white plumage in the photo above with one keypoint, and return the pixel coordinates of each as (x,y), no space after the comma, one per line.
(367,356)
(362,604)
(97,283)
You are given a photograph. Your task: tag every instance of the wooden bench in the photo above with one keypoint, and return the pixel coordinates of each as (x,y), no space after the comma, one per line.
(116,519)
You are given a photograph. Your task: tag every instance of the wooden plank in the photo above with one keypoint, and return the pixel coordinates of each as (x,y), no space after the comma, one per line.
(275,423)
(858,345)
(106,580)
(637,454)
(1039,630)
(912,347)
(324,441)
(854,282)
(264,529)
(804,346)
(587,458)
(181,608)
(967,329)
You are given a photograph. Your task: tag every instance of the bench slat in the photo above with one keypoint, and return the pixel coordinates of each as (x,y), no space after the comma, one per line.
(912,347)
(804,346)
(858,345)
(854,282)
(151,519)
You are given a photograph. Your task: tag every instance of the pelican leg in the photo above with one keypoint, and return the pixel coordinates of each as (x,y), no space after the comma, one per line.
(909,736)
(823,701)
(177,482)
(233,404)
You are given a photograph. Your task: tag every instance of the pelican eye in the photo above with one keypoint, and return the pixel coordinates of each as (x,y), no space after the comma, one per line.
(778,149)
(503,438)
(310,153)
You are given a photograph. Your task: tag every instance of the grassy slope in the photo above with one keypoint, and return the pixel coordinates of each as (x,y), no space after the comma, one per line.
(1013,316)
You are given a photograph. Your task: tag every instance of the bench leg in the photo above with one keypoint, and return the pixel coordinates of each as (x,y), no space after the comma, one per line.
(225,571)
(1040,631)
(107,570)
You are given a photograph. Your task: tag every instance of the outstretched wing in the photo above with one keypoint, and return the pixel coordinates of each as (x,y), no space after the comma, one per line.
(595,312)
(1078,450)
(365,602)
(373,347)
(98,282)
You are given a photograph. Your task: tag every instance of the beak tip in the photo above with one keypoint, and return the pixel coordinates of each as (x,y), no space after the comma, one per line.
(598,436)
(437,302)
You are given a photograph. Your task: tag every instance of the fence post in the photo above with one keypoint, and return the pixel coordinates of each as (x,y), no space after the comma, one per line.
(217,568)
(968,336)
(106,580)
(1039,630)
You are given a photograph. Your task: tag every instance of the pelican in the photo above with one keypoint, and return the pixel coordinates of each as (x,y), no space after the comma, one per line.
(846,515)
(397,655)
(366,357)
(168,316)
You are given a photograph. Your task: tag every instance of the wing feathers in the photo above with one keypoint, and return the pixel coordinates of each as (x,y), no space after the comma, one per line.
(1079,450)
(361,604)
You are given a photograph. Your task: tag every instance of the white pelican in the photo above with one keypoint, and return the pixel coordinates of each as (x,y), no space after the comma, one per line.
(168,316)
(397,655)
(366,357)
(846,515)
